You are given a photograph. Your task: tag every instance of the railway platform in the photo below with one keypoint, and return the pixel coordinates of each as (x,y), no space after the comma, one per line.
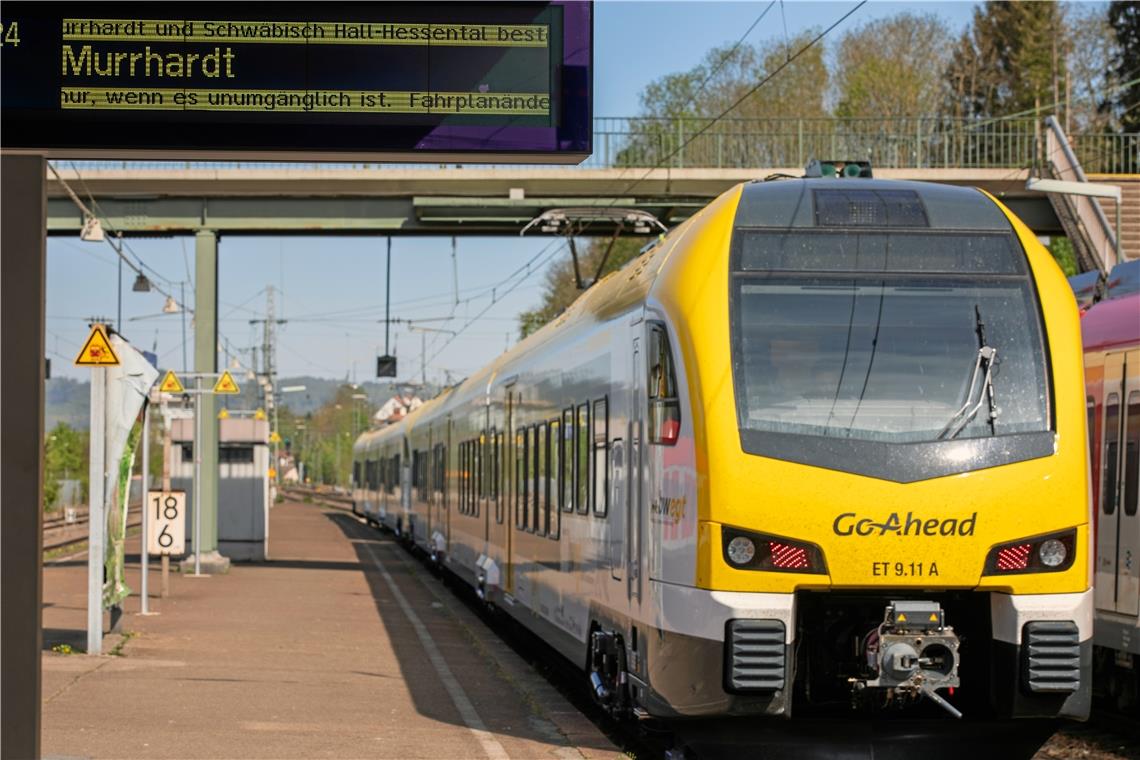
(341,645)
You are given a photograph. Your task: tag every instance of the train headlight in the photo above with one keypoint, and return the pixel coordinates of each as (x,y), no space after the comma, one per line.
(1037,554)
(741,550)
(746,550)
(1052,553)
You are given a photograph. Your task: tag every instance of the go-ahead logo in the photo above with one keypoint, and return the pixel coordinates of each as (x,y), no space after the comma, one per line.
(850,524)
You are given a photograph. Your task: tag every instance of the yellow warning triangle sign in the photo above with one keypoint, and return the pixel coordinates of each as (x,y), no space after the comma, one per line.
(901,618)
(274,437)
(226,384)
(224,414)
(97,351)
(171,383)
(259,414)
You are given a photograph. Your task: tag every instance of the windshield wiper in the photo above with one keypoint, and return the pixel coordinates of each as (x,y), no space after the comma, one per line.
(987,356)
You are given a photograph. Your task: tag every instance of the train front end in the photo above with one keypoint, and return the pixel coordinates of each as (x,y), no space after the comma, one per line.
(891,468)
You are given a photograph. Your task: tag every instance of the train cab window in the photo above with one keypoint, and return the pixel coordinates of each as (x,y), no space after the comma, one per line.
(582,459)
(664,405)
(600,491)
(873,336)
(566,478)
(540,516)
(1132,454)
(1108,491)
(554,479)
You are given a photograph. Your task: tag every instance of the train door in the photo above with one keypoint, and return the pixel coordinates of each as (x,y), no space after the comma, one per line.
(636,473)
(1118,532)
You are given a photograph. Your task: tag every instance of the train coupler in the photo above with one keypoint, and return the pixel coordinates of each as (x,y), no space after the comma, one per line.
(911,655)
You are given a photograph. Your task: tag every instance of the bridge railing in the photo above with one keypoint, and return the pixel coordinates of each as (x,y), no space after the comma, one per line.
(904,143)
(693,143)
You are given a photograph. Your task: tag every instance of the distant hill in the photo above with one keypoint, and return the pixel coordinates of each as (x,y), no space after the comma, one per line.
(67,400)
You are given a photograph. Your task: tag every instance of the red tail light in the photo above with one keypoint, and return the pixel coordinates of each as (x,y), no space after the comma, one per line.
(788,557)
(1050,553)
(1014,557)
(771,553)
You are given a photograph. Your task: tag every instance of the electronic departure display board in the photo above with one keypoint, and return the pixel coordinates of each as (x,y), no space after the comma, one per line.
(485,81)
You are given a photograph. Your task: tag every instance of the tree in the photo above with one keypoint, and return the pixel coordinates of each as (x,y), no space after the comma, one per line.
(678,106)
(561,288)
(893,67)
(65,458)
(1011,60)
(1091,76)
(1124,18)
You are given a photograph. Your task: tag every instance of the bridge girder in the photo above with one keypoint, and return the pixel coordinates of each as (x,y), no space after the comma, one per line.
(424,201)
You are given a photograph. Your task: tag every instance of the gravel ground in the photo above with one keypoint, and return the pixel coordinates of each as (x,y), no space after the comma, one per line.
(1091,741)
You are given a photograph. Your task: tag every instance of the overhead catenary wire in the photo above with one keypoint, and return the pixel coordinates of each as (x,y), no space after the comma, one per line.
(735,104)
(136,268)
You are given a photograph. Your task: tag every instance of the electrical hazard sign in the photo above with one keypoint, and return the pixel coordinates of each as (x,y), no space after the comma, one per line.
(171,384)
(226,384)
(97,351)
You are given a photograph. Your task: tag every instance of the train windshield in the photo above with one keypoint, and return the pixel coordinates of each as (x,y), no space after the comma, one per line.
(888,344)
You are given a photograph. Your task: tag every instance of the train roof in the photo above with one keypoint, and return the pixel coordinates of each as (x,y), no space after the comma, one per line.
(867,202)
(1111,323)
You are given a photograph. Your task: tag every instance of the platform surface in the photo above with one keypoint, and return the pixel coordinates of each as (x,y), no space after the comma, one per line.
(341,645)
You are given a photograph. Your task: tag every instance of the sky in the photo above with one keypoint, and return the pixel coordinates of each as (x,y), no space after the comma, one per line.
(330,290)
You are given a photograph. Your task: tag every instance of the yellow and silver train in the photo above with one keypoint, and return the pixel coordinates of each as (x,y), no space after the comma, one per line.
(821,450)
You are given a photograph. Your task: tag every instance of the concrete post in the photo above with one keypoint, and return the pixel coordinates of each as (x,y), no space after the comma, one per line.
(206,360)
(23,224)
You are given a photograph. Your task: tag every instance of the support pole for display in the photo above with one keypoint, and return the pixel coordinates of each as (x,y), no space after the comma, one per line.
(144,555)
(164,587)
(96,520)
(198,477)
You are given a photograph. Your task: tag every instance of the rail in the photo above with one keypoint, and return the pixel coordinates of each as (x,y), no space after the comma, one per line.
(59,533)
(928,142)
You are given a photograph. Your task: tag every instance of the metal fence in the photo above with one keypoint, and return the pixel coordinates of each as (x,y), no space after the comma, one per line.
(693,143)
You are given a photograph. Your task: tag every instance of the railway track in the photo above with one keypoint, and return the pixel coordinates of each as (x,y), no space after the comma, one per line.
(61,534)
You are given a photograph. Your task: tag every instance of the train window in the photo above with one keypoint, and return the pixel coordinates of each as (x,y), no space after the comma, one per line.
(496,473)
(356,474)
(540,517)
(554,480)
(464,449)
(582,460)
(566,479)
(520,478)
(1108,491)
(1132,454)
(477,452)
(664,405)
(396,474)
(600,491)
